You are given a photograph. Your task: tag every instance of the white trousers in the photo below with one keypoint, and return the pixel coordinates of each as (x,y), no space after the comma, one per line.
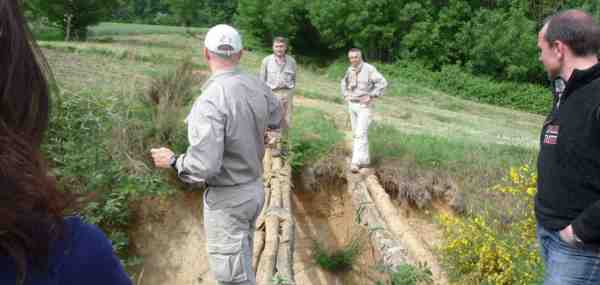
(360,117)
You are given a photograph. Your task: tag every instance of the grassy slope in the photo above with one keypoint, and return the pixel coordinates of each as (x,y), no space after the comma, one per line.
(473,142)
(476,142)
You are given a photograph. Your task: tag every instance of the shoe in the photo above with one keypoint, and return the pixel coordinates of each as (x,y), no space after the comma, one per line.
(354,168)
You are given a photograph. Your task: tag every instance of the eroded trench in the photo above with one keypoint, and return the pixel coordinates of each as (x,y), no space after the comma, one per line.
(168,234)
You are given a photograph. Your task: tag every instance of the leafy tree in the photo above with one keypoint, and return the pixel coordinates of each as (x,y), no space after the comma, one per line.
(504,44)
(249,18)
(187,12)
(73,16)
(220,11)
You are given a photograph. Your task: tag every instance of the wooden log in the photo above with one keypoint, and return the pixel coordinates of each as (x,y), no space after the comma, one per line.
(417,251)
(259,234)
(391,251)
(260,221)
(268,258)
(286,241)
(259,244)
(267,160)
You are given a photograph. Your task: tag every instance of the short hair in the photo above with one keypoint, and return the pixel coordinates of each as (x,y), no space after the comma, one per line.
(577,29)
(280,40)
(355,50)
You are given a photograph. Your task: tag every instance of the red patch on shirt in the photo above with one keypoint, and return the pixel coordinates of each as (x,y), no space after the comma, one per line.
(551,135)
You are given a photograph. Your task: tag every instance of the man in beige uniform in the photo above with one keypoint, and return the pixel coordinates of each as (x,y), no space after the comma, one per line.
(361,84)
(226,128)
(278,71)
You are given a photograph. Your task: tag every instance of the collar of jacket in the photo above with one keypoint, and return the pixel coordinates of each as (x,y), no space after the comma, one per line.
(581,78)
(358,68)
(223,72)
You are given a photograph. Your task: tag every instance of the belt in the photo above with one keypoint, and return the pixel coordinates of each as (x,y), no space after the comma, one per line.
(281,88)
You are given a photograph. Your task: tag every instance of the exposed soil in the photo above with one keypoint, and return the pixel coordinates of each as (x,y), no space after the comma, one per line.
(168,234)
(327,216)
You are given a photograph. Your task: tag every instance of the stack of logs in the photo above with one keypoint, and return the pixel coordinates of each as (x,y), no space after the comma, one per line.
(274,236)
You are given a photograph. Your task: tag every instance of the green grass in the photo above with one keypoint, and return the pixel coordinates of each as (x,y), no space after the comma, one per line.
(111,29)
(159,49)
(313,135)
(407,274)
(387,142)
(474,166)
(44,33)
(337,260)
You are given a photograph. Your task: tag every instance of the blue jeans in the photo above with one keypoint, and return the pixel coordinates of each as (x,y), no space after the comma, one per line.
(567,264)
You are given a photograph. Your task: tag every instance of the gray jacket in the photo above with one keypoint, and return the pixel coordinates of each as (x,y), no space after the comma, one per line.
(226,128)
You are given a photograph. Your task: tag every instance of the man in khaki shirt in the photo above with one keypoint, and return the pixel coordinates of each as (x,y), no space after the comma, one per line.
(278,71)
(361,84)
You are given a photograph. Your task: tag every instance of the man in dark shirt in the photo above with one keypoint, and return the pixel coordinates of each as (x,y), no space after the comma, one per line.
(567,205)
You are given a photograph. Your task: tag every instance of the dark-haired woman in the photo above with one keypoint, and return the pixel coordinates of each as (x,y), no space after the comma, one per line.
(38,245)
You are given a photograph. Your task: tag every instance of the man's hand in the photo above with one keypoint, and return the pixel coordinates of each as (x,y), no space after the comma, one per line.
(162,157)
(365,99)
(568,236)
(271,137)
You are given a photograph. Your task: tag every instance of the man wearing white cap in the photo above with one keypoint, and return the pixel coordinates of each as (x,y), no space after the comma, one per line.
(226,129)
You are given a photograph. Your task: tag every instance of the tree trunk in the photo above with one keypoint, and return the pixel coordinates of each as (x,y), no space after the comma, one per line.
(402,231)
(286,241)
(392,252)
(68,20)
(268,258)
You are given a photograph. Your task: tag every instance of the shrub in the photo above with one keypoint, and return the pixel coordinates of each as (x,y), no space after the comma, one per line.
(339,260)
(72,17)
(486,250)
(456,81)
(411,275)
(98,146)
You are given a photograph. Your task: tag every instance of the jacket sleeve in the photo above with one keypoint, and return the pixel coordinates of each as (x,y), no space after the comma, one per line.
(587,225)
(93,260)
(206,134)
(379,83)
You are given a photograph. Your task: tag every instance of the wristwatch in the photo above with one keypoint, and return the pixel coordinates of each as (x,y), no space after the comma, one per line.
(173,162)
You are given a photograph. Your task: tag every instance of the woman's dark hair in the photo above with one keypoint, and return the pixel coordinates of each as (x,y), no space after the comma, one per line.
(31,208)
(30,205)
(24,76)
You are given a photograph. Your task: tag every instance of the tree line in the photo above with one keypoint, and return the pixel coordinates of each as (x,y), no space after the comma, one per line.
(495,38)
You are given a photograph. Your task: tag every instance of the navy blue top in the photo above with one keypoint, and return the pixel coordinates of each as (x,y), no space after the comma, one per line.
(84,256)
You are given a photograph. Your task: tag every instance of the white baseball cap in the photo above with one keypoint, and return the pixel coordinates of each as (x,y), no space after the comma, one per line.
(223,39)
